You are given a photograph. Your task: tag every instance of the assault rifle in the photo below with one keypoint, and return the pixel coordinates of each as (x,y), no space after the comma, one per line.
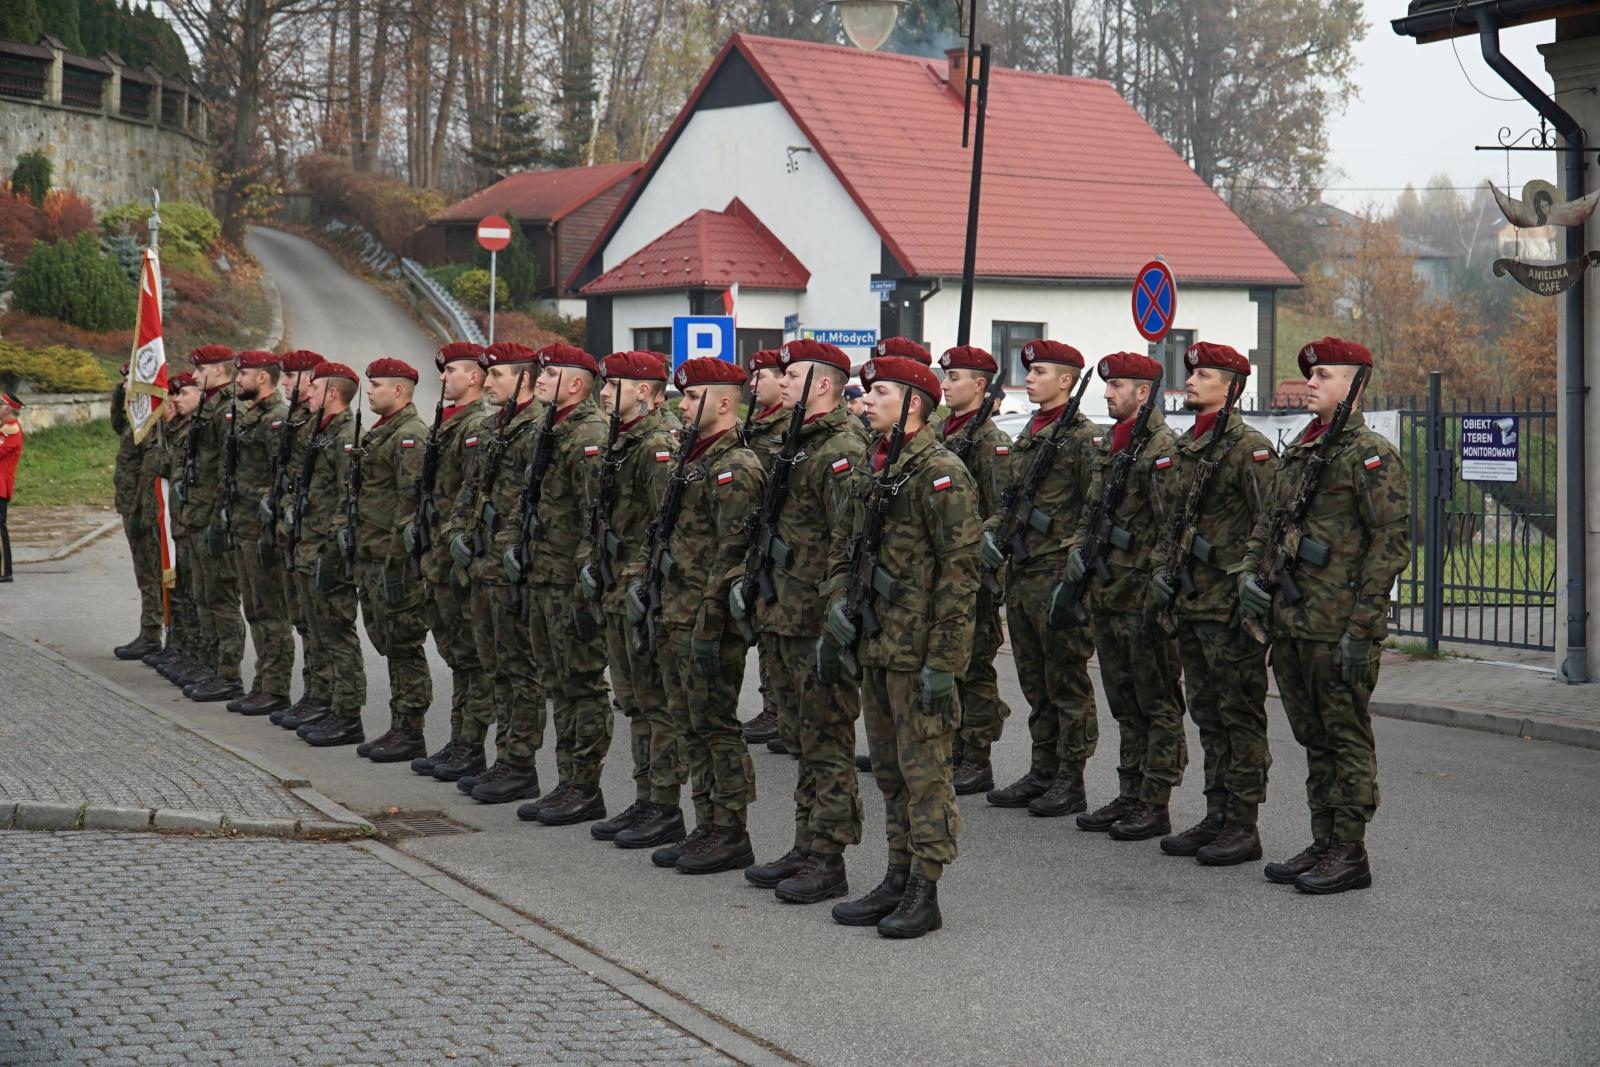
(762,527)
(191,458)
(427,509)
(531,529)
(270,507)
(962,446)
(749,417)
(352,500)
(483,513)
(869,578)
(1286,546)
(230,469)
(604,544)
(1185,540)
(658,561)
(302,487)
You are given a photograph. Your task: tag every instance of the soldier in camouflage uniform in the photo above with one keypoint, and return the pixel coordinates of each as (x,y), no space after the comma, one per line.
(1052,663)
(1353,542)
(328,591)
(700,649)
(134,501)
(184,640)
(924,590)
(816,501)
(763,432)
(1138,661)
(216,569)
(155,462)
(261,578)
(986,450)
(483,522)
(639,462)
(447,606)
(1224,672)
(391,597)
(316,678)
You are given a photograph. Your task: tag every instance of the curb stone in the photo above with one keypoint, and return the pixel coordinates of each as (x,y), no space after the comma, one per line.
(1506,725)
(47,815)
(106,818)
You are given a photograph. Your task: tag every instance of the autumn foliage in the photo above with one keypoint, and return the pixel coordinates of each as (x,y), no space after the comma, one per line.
(63,215)
(385,205)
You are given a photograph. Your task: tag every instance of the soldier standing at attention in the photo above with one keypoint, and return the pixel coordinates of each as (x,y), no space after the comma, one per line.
(184,639)
(762,432)
(1352,542)
(261,579)
(10,454)
(134,499)
(921,581)
(986,450)
(816,501)
(297,384)
(1052,663)
(330,592)
(390,457)
(445,605)
(216,567)
(1219,484)
(636,467)
(1138,662)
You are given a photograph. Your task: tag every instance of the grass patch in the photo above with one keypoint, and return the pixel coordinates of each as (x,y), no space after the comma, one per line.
(1418,649)
(1486,574)
(67,465)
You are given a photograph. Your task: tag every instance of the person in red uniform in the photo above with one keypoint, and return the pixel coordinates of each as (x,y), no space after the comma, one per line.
(10,452)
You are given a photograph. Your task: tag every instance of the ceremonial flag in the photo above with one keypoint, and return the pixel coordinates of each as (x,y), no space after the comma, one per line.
(169,547)
(147,370)
(730,299)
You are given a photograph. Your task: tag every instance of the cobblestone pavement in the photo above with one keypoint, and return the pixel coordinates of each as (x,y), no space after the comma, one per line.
(65,738)
(130,948)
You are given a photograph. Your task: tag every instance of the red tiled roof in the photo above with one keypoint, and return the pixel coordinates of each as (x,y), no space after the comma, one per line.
(1075,185)
(548,195)
(709,249)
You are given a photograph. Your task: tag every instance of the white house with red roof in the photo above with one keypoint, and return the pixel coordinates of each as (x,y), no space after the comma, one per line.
(805,173)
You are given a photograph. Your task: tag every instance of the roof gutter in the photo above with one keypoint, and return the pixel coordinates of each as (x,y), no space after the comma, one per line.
(1443,21)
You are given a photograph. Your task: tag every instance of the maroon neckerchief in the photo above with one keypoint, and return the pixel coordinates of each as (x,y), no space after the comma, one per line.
(1121,434)
(1042,419)
(955,422)
(1203,423)
(562,413)
(704,443)
(880,455)
(1314,431)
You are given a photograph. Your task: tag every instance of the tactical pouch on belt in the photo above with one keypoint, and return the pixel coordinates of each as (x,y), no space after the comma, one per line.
(1039,521)
(1120,539)
(487,516)
(1313,552)
(779,552)
(614,546)
(1201,549)
(883,583)
(669,566)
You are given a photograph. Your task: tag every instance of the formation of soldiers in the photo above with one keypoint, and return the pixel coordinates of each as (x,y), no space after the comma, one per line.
(577,548)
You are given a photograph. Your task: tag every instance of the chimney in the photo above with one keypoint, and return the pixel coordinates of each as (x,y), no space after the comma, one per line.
(956,68)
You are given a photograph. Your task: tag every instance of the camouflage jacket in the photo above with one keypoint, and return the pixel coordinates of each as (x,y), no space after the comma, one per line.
(463,424)
(1245,464)
(707,543)
(153,463)
(930,549)
(391,462)
(1362,513)
(507,463)
(766,435)
(988,461)
(559,547)
(260,423)
(125,473)
(211,424)
(816,503)
(1144,516)
(169,465)
(299,426)
(642,456)
(322,499)
(1063,495)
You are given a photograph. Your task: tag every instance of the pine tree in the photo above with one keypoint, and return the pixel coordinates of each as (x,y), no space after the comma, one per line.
(60,17)
(517,267)
(512,142)
(20,21)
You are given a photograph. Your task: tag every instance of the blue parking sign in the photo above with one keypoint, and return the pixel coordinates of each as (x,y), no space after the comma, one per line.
(701,336)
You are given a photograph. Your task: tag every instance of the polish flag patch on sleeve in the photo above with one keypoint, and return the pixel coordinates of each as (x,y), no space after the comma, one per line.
(278,424)
(227,416)
(348,449)
(1163,462)
(725,478)
(590,451)
(471,442)
(943,482)
(1372,463)
(840,465)
(1002,450)
(408,442)
(663,456)
(1097,441)
(1261,455)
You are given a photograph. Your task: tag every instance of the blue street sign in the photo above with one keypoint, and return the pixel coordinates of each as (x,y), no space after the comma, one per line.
(791,324)
(698,336)
(1155,300)
(845,338)
(884,285)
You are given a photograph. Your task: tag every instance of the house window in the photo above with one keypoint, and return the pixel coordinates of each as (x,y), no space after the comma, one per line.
(1169,353)
(653,339)
(1009,337)
(750,342)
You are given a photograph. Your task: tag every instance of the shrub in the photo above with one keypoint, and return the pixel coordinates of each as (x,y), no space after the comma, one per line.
(515,326)
(517,267)
(7,273)
(570,329)
(32,176)
(186,228)
(36,331)
(66,214)
(472,289)
(383,204)
(22,223)
(447,273)
(53,369)
(72,281)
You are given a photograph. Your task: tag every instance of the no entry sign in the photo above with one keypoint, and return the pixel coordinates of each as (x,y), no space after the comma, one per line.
(494,233)
(1155,300)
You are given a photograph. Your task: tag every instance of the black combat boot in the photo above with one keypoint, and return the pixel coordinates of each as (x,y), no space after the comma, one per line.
(1191,840)
(1022,792)
(608,829)
(581,804)
(138,648)
(558,795)
(158,657)
(1235,844)
(1286,872)
(767,875)
(726,849)
(879,902)
(215,691)
(262,704)
(661,825)
(425,764)
(367,746)
(194,679)
(513,783)
(307,711)
(863,763)
(1143,822)
(400,746)
(775,744)
(467,761)
(1100,820)
(916,914)
(1343,866)
(333,730)
(822,878)
(1064,797)
(973,776)
(761,729)
(669,855)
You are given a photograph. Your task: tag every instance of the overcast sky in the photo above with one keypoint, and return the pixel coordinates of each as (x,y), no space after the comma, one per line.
(1418,115)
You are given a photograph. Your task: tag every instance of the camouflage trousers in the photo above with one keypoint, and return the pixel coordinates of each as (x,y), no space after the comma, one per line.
(1053,670)
(217,600)
(983,712)
(911,761)
(1331,721)
(636,683)
(447,614)
(331,606)
(778,697)
(1139,669)
(266,610)
(315,679)
(571,670)
(502,641)
(391,605)
(827,799)
(203,641)
(185,632)
(146,549)
(707,712)
(1225,687)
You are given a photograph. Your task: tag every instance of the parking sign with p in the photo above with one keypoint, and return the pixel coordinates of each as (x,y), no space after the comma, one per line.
(703,337)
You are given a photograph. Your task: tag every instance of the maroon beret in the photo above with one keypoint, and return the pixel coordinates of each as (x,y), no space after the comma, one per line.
(707,370)
(301,359)
(1221,357)
(968,357)
(179,382)
(457,350)
(904,347)
(329,369)
(124,369)
(805,349)
(210,354)
(1129,365)
(255,359)
(635,366)
(766,359)
(1051,352)
(389,367)
(505,353)
(561,355)
(16,405)
(1334,351)
(903,370)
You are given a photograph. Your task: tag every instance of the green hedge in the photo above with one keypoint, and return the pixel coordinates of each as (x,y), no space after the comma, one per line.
(187,228)
(55,369)
(74,282)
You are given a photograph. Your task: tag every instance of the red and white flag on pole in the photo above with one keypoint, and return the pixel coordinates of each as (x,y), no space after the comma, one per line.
(730,299)
(147,370)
